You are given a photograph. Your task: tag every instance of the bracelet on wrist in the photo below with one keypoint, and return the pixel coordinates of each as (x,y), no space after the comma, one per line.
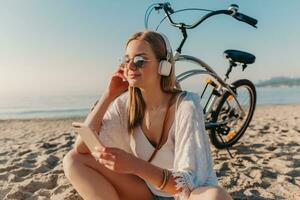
(165,179)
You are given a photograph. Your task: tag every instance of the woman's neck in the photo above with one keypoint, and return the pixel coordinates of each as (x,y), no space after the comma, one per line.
(155,98)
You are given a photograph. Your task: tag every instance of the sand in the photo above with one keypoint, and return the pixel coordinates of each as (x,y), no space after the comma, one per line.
(266,163)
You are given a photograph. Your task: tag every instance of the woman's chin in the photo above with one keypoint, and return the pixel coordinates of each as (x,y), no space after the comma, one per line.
(133,82)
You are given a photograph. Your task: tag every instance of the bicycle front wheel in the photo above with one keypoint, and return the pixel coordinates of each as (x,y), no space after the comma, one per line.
(234,121)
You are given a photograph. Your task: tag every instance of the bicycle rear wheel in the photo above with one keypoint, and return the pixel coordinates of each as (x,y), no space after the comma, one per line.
(227,110)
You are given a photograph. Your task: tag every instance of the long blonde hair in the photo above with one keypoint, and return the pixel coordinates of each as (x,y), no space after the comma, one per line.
(136,103)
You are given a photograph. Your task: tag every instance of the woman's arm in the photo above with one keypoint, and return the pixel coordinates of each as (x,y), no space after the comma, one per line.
(94,120)
(95,117)
(115,87)
(154,175)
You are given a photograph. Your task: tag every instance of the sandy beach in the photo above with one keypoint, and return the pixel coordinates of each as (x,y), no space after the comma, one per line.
(266,163)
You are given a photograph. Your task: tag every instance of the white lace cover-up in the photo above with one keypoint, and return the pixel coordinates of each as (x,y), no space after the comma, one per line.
(186,153)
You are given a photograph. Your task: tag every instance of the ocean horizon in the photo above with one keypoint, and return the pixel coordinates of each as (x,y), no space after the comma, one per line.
(79,105)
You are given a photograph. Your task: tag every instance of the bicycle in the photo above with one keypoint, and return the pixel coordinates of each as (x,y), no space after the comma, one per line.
(224,109)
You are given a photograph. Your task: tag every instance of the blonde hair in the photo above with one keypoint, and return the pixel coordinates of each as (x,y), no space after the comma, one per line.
(136,103)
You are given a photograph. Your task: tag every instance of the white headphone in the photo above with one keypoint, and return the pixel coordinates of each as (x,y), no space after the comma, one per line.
(165,65)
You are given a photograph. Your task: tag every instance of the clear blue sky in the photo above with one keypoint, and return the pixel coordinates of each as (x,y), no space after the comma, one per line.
(55,46)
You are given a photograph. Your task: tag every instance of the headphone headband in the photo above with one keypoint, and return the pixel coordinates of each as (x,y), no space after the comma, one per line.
(168,46)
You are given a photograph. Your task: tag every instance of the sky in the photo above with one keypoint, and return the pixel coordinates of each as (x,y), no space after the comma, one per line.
(73,46)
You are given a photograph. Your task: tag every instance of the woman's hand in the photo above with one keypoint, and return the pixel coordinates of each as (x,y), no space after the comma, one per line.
(118,160)
(118,83)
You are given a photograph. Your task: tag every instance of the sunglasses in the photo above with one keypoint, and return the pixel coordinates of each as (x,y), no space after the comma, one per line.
(138,61)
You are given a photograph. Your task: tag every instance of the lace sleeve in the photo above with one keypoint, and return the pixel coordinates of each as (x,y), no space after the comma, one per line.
(193,162)
(184,182)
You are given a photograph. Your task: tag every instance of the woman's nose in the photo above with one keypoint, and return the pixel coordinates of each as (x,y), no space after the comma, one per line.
(131,65)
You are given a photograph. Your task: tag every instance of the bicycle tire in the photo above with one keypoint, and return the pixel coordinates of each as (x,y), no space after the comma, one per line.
(213,133)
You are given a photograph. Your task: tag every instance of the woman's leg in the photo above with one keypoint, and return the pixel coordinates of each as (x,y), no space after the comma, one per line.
(209,193)
(94,181)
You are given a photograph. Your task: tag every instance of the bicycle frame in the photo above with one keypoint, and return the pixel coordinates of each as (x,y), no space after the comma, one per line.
(208,70)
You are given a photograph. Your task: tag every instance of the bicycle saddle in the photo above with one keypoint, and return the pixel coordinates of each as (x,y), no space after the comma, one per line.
(239,56)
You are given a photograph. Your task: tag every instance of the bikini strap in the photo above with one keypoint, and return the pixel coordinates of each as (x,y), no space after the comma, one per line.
(158,146)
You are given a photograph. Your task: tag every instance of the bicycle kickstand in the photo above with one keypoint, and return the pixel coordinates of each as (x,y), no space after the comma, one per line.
(229,152)
(227,148)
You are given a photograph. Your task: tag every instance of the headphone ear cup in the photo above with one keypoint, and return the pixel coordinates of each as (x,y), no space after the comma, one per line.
(164,68)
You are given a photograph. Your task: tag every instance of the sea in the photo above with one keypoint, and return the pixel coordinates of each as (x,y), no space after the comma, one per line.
(79,105)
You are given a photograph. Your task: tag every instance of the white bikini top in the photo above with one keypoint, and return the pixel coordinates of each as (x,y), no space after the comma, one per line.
(164,158)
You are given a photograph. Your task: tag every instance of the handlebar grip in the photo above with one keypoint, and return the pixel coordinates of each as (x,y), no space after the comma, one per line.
(245,18)
(167,7)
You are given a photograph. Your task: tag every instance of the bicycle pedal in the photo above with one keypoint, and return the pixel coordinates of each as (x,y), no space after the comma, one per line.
(224,130)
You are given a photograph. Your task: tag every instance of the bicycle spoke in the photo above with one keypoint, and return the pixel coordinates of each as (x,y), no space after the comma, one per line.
(232,113)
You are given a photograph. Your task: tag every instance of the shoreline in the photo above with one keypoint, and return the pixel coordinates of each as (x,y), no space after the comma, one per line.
(84,116)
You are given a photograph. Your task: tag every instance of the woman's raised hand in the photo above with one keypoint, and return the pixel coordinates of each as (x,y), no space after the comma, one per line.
(118,82)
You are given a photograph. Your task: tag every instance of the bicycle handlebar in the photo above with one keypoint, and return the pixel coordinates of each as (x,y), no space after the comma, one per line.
(232,10)
(244,18)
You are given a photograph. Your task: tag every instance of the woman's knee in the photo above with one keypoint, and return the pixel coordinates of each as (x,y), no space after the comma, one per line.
(209,193)
(71,161)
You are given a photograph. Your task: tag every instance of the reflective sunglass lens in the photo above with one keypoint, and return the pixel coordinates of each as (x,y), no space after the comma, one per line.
(138,61)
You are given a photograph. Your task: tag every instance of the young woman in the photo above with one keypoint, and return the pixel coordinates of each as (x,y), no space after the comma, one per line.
(156,144)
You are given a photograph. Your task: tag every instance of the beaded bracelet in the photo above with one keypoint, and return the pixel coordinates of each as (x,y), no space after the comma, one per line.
(166,177)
